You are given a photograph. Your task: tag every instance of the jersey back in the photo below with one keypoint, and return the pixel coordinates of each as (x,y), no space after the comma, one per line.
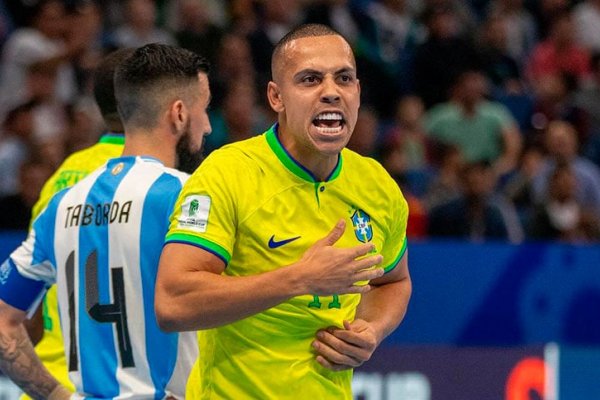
(102,237)
(78,165)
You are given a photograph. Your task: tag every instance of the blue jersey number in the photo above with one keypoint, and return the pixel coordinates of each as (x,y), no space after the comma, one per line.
(115,313)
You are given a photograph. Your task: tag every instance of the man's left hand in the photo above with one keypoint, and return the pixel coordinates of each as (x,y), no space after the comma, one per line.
(339,349)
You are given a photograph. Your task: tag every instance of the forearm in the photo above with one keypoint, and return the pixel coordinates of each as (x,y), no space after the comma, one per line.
(384,307)
(20,363)
(220,299)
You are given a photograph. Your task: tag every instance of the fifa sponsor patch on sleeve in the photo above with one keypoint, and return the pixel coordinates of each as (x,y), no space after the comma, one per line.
(194,213)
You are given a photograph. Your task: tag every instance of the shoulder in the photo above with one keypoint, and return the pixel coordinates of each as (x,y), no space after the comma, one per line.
(370,173)
(239,158)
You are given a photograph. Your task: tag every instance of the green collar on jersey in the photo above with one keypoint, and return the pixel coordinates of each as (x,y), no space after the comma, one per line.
(291,164)
(113,138)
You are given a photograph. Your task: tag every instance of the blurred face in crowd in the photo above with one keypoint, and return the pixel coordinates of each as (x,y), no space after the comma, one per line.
(364,138)
(562,185)
(563,31)
(316,93)
(51,19)
(141,13)
(561,140)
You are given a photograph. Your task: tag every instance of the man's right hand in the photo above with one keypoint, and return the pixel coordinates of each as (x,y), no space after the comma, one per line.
(327,270)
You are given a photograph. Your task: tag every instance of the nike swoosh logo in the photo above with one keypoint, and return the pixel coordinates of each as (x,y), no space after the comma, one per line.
(273,244)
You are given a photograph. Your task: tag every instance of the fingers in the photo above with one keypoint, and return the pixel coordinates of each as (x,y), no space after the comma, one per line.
(340,347)
(332,366)
(361,250)
(333,358)
(335,234)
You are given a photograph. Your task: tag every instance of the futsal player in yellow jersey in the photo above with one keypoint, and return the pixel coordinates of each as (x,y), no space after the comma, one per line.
(51,348)
(286,305)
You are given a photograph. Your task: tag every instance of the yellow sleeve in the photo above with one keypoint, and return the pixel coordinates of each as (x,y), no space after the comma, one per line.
(206,212)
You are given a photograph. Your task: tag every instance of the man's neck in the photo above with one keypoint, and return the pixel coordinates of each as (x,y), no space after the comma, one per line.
(148,143)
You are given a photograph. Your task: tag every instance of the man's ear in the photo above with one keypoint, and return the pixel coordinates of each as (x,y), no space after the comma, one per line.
(274,96)
(178,116)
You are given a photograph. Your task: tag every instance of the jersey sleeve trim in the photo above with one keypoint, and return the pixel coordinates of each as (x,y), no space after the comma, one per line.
(393,264)
(205,244)
(17,290)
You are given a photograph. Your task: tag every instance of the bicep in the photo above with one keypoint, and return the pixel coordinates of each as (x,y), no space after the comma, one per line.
(179,260)
(396,274)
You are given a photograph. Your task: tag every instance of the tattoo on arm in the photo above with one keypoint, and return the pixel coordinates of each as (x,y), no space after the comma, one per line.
(20,363)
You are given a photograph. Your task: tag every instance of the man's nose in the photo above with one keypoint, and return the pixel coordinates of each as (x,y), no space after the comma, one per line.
(330,92)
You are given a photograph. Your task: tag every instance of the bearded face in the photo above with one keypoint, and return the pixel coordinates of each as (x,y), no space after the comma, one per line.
(188,159)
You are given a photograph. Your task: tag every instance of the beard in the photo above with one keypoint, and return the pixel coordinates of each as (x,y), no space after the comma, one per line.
(188,160)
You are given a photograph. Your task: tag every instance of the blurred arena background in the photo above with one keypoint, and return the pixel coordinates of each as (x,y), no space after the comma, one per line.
(486,112)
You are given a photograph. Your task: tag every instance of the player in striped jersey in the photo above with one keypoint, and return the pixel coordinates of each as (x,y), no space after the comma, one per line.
(100,242)
(46,322)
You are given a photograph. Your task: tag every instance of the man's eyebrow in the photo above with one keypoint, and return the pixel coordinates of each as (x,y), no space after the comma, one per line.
(307,71)
(310,71)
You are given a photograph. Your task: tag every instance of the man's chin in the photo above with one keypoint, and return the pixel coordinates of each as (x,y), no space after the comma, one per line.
(189,162)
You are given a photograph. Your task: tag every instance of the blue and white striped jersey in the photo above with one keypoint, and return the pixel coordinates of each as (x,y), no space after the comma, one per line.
(100,242)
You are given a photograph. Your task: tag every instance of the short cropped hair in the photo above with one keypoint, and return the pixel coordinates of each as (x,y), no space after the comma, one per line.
(104,88)
(154,75)
(302,31)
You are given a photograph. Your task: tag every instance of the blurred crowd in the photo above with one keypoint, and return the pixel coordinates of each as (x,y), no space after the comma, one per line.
(486,112)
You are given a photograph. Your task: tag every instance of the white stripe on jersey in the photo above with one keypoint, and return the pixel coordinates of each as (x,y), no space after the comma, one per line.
(66,241)
(132,380)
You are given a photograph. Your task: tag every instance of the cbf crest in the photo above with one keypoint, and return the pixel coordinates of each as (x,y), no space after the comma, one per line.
(362,226)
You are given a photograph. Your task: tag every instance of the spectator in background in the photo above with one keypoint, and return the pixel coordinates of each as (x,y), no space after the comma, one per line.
(233,64)
(483,130)
(559,53)
(366,133)
(238,117)
(587,24)
(520,27)
(405,145)
(16,208)
(44,40)
(499,66)
(140,26)
(15,145)
(587,99)
(195,31)
(445,184)
(442,57)
(336,14)
(554,99)
(560,216)
(407,133)
(562,148)
(518,187)
(476,215)
(545,12)
(274,19)
(388,36)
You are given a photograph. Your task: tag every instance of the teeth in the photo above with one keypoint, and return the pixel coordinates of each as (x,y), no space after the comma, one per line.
(329,131)
(330,116)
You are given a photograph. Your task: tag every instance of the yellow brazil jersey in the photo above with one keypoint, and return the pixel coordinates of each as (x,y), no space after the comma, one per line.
(251,204)
(51,348)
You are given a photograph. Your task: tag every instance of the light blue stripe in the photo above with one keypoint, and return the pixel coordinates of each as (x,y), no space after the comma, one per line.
(161,348)
(44,227)
(97,342)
